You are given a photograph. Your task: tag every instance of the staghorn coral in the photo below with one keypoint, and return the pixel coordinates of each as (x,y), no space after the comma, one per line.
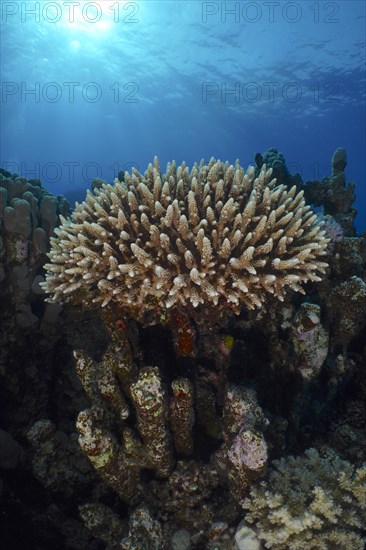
(216,236)
(314,501)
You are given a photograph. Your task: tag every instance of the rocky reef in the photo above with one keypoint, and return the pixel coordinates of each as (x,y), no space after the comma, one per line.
(199,383)
(28,217)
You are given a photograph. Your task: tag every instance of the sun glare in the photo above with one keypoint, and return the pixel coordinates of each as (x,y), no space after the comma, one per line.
(89,17)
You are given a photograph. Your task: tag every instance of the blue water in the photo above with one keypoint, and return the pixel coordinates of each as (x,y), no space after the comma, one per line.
(111,84)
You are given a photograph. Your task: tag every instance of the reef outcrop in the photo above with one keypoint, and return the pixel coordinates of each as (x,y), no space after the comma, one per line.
(208,349)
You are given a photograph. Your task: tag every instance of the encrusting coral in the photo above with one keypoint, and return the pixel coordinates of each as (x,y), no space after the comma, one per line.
(215,237)
(314,502)
(310,341)
(121,442)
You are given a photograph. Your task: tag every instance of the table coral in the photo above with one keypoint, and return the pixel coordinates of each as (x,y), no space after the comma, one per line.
(213,238)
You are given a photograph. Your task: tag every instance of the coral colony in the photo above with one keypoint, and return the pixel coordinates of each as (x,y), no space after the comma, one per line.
(217,237)
(217,327)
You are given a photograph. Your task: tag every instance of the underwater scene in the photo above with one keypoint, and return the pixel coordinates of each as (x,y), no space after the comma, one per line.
(183,275)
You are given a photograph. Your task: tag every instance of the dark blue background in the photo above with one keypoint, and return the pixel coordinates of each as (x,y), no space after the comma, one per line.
(195,79)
